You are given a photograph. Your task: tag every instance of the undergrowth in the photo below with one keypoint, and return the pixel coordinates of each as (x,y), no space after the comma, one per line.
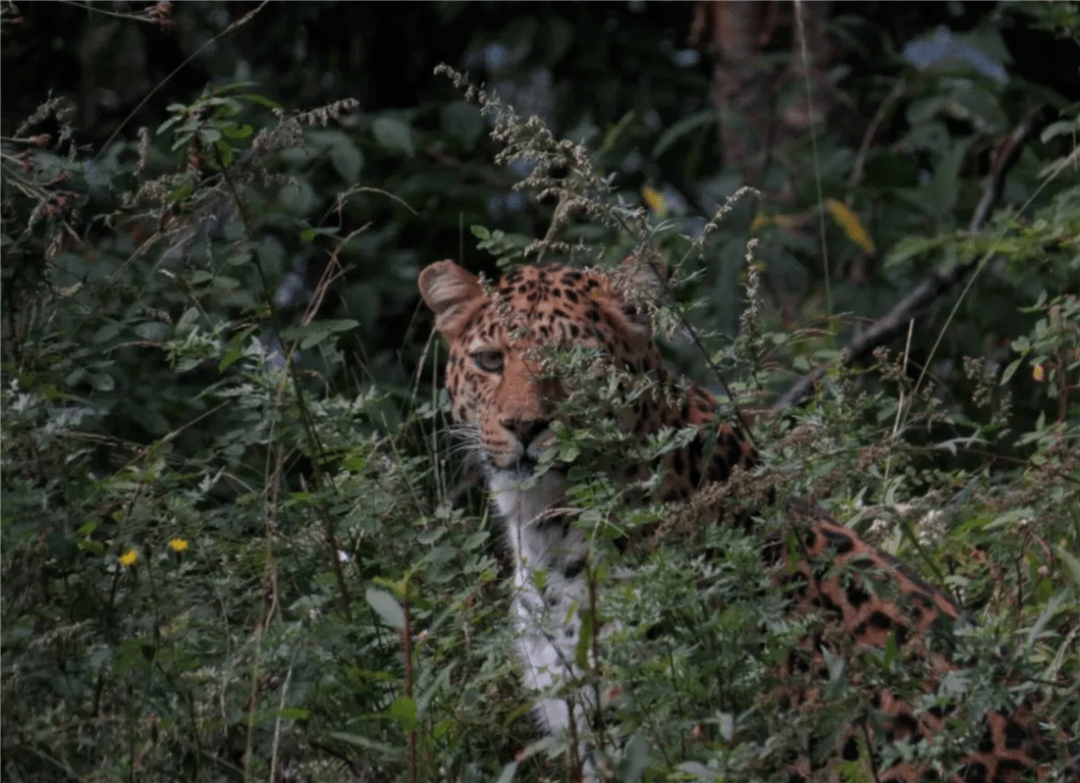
(221,563)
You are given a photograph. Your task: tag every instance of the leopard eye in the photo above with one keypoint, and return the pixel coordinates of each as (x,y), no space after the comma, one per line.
(489,361)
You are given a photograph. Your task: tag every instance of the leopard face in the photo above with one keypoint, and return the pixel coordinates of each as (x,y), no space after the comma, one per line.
(502,396)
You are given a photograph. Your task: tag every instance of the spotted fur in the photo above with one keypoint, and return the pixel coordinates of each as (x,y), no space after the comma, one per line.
(503,401)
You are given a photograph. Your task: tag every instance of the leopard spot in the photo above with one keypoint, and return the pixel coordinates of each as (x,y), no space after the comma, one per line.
(1009,765)
(574,568)
(975,772)
(1015,735)
(841,542)
(856,595)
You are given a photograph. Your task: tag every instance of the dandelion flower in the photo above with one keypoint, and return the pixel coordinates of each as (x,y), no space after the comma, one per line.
(128,558)
(178,544)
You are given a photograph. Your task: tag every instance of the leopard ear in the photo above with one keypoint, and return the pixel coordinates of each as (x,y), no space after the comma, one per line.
(641,279)
(646,274)
(451,293)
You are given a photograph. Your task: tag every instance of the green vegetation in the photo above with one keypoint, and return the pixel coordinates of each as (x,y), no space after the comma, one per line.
(237,542)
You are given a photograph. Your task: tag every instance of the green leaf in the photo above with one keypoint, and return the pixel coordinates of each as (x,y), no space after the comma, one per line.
(475,541)
(293,713)
(364,742)
(616,130)
(240,258)
(394,135)
(1060,128)
(635,758)
(182,138)
(1071,565)
(108,332)
(168,124)
(984,105)
(297,197)
(569,452)
(226,283)
(921,110)
(387,607)
(154,331)
(91,546)
(910,247)
(429,537)
(1011,517)
(403,710)
(236,348)
(347,161)
(235,131)
(259,99)
(1053,606)
(225,107)
(225,152)
(891,649)
(940,195)
(182,192)
(1010,371)
(834,664)
(339,324)
(681,128)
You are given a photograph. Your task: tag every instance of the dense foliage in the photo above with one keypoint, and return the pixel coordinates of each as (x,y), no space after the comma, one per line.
(236,542)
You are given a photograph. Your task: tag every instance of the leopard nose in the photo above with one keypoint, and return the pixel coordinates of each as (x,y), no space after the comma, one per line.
(525,429)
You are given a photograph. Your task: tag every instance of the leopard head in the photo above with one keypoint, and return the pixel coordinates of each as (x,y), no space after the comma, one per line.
(503,395)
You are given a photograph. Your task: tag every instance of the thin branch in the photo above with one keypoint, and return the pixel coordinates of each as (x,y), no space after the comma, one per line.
(933,286)
(406,638)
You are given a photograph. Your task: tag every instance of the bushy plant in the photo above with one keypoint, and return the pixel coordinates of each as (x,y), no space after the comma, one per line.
(229,554)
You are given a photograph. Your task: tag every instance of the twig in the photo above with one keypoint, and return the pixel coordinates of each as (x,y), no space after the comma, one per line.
(406,638)
(933,286)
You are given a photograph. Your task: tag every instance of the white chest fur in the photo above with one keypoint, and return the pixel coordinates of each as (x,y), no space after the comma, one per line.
(549,592)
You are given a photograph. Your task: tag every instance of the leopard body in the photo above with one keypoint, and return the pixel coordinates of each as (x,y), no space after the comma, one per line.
(503,400)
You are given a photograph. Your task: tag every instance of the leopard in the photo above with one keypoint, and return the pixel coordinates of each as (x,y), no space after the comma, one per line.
(504,401)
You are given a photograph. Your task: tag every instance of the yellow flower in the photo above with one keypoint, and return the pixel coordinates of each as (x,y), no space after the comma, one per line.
(178,544)
(128,558)
(1038,373)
